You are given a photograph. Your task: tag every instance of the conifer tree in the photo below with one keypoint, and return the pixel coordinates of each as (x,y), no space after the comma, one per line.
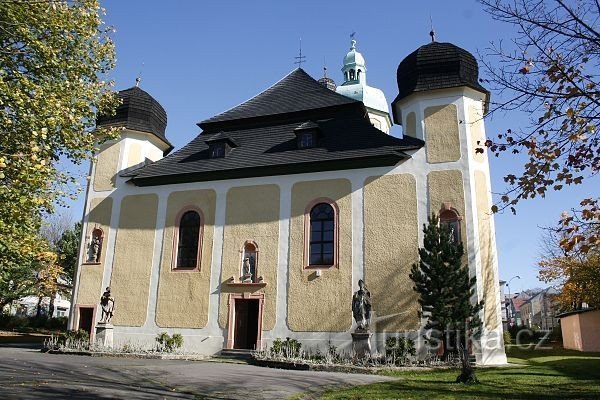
(445,291)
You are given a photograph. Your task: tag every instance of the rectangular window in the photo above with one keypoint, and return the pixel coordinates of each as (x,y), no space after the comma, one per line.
(306,140)
(217,150)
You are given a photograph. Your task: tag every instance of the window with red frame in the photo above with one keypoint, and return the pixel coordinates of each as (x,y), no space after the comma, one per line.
(322,228)
(188,240)
(451,220)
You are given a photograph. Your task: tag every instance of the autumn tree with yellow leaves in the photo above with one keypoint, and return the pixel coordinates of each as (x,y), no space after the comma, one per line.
(53,58)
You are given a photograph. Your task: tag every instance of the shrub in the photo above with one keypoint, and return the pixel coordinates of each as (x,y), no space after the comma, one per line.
(400,348)
(507,338)
(556,334)
(17,323)
(59,323)
(288,349)
(169,343)
(74,339)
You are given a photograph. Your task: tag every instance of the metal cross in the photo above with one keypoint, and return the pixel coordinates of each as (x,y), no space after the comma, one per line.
(300,58)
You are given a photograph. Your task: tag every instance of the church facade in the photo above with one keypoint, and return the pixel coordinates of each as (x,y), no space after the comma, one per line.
(261,227)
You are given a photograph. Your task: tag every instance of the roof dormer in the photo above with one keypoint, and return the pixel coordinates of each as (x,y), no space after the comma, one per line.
(220,145)
(307,135)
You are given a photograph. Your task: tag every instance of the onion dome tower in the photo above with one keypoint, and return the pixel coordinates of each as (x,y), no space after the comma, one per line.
(441,102)
(355,86)
(435,66)
(139,112)
(141,141)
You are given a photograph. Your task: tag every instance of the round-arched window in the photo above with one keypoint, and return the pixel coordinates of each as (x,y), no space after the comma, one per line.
(188,240)
(322,228)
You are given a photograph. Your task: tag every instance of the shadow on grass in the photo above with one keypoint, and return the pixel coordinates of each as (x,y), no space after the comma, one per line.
(553,375)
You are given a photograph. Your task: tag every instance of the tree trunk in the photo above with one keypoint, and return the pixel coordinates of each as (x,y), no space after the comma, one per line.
(39,307)
(467,372)
(51,306)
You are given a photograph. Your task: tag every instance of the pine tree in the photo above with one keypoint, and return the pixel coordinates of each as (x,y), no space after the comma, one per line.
(445,291)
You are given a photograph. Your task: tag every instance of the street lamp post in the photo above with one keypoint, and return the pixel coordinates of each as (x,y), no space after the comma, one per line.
(510,299)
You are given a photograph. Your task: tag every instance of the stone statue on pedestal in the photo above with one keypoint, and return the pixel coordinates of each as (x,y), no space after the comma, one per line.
(361,307)
(361,310)
(107,302)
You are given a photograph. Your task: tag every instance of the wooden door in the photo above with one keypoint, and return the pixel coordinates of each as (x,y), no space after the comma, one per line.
(246,324)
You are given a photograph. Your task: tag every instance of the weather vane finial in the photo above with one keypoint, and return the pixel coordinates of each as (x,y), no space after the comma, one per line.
(300,58)
(138,79)
(431,32)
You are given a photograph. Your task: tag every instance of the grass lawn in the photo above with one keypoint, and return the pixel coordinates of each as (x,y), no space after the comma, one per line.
(546,374)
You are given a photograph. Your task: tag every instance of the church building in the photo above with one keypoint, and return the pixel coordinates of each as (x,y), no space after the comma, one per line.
(261,227)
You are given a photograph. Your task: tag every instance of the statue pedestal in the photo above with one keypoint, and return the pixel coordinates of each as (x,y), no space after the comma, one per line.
(104,334)
(361,343)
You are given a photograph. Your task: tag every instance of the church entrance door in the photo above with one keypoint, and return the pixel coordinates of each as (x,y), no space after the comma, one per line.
(246,324)
(86,319)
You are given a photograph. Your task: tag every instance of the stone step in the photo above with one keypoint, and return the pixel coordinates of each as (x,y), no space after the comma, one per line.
(239,354)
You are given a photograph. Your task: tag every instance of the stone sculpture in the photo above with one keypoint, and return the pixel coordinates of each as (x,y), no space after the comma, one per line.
(107,302)
(361,307)
(246,271)
(94,252)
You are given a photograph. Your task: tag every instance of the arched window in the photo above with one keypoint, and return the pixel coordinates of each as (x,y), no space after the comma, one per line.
(450,218)
(358,74)
(322,235)
(250,262)
(188,240)
(351,74)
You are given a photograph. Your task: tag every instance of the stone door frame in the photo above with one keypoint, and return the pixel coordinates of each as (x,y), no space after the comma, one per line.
(231,322)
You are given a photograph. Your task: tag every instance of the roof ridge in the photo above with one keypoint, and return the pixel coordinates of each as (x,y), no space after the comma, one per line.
(296,91)
(250,98)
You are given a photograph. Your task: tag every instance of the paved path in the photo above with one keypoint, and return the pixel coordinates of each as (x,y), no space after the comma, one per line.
(30,374)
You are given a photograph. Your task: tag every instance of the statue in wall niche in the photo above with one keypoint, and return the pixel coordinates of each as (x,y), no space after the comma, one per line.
(107,302)
(95,246)
(246,270)
(361,306)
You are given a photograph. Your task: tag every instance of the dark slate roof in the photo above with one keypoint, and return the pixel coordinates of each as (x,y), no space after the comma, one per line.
(346,143)
(437,66)
(139,111)
(265,135)
(296,92)
(220,137)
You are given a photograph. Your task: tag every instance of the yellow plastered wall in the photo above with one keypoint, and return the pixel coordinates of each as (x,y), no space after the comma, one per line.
(411,125)
(183,296)
(90,277)
(320,303)
(486,251)
(477,135)
(252,214)
(390,248)
(107,164)
(134,248)
(135,154)
(441,134)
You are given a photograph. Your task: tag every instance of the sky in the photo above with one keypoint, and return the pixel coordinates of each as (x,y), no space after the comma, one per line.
(199,58)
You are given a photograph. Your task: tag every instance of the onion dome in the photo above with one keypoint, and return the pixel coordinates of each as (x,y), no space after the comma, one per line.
(353,57)
(355,82)
(138,111)
(437,66)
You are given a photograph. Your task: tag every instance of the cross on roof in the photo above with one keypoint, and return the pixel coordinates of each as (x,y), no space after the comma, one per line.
(300,58)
